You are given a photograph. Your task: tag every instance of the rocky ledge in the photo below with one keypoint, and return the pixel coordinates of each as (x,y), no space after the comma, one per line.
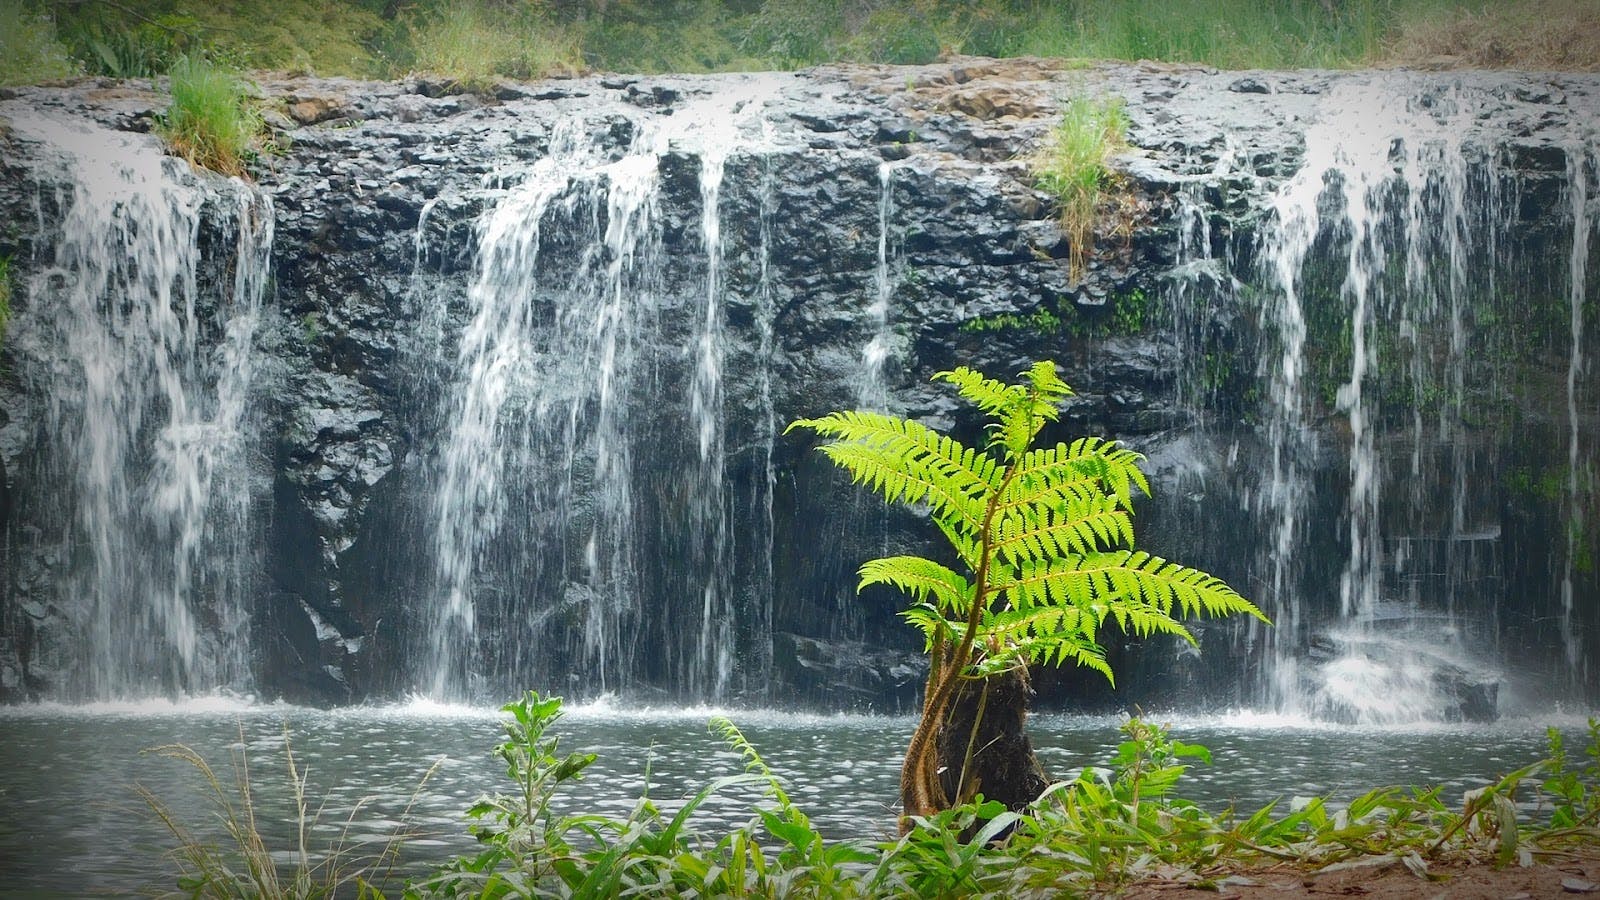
(377,187)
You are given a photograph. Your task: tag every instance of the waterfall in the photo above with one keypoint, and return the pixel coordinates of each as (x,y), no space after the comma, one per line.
(146,355)
(713,556)
(555,440)
(524,390)
(1368,247)
(759,619)
(1578,473)
(874,393)
(1297,215)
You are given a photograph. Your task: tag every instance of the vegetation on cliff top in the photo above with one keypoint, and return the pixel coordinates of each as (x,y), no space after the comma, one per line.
(475,39)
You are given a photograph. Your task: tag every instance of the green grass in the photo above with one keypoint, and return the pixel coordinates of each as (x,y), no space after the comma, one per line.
(477,41)
(1074,168)
(1231,34)
(211,122)
(146,38)
(29,49)
(474,42)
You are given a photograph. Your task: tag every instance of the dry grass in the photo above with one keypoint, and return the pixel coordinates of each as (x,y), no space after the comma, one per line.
(473,44)
(1530,35)
(245,864)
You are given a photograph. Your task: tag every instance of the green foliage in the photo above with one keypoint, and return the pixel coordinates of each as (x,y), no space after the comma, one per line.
(907,34)
(1040,321)
(145,39)
(29,48)
(792,35)
(1109,827)
(523,840)
(1044,536)
(111,46)
(1125,314)
(667,36)
(245,865)
(211,123)
(1575,792)
(474,42)
(5,297)
(1074,168)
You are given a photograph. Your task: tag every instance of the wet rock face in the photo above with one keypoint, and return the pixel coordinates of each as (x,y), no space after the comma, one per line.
(378,192)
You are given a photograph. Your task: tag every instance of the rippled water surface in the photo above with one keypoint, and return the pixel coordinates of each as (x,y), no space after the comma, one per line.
(71,823)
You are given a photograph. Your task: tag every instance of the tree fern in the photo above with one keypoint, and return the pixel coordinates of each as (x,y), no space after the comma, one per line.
(1045,534)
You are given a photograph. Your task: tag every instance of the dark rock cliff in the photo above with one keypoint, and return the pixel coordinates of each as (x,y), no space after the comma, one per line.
(376,192)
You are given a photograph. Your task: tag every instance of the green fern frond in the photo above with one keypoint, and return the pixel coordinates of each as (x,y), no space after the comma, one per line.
(908,463)
(1041,403)
(926,619)
(753,763)
(921,578)
(963,540)
(1106,464)
(1049,635)
(1048,388)
(1078,526)
(988,394)
(1051,529)
(885,473)
(1144,587)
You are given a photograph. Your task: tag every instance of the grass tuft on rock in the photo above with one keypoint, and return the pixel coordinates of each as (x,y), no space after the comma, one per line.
(211,122)
(1074,168)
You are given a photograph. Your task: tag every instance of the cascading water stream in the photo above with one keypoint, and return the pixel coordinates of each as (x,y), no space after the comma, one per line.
(1297,214)
(508,402)
(1388,187)
(874,393)
(709,518)
(542,451)
(760,614)
(148,364)
(1583,223)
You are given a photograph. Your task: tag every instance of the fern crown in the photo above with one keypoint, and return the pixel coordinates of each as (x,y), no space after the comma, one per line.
(1043,536)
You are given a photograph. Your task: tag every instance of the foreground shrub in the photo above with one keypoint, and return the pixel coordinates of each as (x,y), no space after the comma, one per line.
(211,122)
(1046,561)
(1107,828)
(29,49)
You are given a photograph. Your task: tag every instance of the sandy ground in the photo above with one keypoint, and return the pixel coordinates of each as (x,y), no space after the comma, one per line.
(1576,880)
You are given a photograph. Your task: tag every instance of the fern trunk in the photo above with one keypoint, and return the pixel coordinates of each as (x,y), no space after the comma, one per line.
(978,744)
(985,737)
